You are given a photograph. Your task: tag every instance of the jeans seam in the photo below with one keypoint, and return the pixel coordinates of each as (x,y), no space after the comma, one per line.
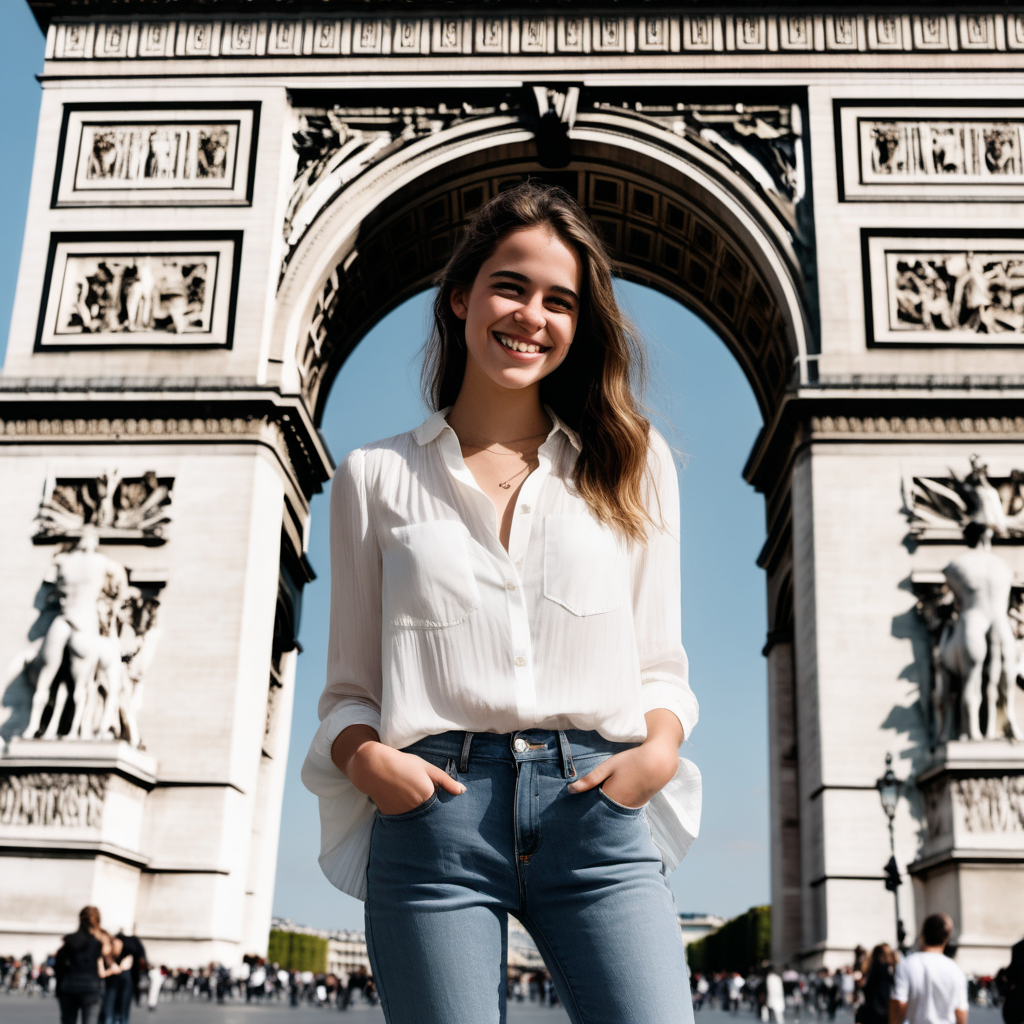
(550,958)
(369,937)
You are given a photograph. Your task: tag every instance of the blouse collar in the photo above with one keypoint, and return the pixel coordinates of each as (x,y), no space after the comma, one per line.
(431,428)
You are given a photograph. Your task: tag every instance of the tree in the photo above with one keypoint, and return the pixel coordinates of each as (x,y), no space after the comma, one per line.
(741,944)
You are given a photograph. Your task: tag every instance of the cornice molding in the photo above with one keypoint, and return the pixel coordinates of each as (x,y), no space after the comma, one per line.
(231,30)
(899,416)
(63,414)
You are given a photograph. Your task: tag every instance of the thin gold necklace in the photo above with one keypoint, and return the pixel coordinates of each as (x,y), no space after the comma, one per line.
(506,485)
(515,440)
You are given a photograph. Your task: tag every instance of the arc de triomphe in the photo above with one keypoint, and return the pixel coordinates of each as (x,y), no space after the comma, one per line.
(228,194)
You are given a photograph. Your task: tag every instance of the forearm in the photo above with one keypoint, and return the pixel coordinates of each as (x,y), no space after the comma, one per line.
(897,1011)
(348,743)
(663,727)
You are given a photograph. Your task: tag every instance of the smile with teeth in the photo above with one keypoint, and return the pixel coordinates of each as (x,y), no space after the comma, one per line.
(518,346)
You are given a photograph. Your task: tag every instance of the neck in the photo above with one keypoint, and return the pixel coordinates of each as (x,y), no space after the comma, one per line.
(933,949)
(485,410)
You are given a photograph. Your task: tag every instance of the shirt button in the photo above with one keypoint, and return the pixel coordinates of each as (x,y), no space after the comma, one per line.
(520,745)
(525,509)
(520,661)
(509,585)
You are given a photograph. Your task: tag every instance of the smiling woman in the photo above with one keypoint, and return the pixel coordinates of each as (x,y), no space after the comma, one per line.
(507,691)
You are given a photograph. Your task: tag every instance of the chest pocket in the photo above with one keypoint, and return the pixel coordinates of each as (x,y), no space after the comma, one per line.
(586,568)
(428,580)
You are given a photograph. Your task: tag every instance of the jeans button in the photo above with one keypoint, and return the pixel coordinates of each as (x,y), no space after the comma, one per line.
(520,745)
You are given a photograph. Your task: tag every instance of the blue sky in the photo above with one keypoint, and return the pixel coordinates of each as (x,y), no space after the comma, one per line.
(704,406)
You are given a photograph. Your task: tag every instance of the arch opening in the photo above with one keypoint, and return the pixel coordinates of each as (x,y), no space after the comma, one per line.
(665,229)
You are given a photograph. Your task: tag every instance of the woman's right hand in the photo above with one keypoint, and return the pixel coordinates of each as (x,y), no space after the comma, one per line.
(395,781)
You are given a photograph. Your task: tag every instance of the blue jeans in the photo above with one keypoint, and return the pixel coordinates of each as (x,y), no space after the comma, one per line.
(580,871)
(117,1000)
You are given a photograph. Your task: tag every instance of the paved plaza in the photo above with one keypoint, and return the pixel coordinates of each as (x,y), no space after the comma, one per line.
(16,1009)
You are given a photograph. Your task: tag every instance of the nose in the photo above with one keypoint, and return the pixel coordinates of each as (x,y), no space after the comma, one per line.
(531,315)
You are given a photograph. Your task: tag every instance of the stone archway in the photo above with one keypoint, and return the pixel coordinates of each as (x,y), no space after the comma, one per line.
(720,242)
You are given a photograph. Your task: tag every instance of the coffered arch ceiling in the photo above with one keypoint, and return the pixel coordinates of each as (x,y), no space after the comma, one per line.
(663,228)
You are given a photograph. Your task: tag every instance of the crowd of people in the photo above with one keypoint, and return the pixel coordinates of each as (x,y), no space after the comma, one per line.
(99,977)
(867,987)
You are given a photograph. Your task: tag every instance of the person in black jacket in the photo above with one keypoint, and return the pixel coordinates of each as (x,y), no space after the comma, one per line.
(80,970)
(1013,982)
(132,946)
(878,986)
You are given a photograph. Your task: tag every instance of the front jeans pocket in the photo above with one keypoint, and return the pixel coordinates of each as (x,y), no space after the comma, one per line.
(418,811)
(616,806)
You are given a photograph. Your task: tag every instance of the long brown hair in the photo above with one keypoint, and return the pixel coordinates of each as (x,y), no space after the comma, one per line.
(592,391)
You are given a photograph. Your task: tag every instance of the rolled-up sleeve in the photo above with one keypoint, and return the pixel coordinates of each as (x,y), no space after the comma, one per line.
(664,669)
(352,695)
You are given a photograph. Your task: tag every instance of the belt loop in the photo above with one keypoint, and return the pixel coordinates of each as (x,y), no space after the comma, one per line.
(464,760)
(568,768)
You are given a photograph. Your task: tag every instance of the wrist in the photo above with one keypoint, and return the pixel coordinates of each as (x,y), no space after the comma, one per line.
(662,756)
(349,743)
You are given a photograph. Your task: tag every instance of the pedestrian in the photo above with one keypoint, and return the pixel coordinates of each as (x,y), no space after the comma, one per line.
(700,992)
(1012,989)
(877,986)
(774,996)
(80,970)
(156,981)
(929,988)
(507,689)
(736,986)
(834,994)
(117,998)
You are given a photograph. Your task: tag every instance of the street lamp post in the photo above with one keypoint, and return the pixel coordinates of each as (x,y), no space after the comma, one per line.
(889,791)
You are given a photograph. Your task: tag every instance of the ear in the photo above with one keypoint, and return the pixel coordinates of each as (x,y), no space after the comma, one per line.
(459,302)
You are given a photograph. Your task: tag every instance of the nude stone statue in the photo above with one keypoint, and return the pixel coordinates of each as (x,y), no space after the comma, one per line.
(979,642)
(85,581)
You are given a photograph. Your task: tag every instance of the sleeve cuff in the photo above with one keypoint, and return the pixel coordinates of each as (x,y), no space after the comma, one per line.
(349,714)
(659,694)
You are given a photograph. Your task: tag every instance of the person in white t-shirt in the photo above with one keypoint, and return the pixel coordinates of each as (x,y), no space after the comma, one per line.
(929,988)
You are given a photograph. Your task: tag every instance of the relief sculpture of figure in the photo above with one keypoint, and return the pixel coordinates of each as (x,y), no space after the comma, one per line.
(85,579)
(978,642)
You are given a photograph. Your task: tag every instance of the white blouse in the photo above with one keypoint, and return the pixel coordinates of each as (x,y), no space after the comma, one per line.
(435,627)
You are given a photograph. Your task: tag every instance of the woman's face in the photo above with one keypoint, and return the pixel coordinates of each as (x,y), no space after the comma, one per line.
(521,310)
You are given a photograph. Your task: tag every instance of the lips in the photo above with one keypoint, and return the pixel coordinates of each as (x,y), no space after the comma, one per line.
(518,345)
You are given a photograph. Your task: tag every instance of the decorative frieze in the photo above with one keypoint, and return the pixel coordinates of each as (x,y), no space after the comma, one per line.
(336,146)
(943,289)
(52,799)
(991,804)
(121,508)
(113,290)
(127,428)
(938,508)
(152,155)
(975,426)
(927,152)
(532,34)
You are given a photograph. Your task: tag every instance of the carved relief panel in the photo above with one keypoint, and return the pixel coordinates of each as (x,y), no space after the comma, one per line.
(946,289)
(928,153)
(152,290)
(156,156)
(976,812)
(52,799)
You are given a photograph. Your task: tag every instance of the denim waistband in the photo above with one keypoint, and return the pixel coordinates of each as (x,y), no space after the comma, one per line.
(526,745)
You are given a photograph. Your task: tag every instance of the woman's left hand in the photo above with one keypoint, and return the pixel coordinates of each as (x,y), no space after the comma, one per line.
(633,776)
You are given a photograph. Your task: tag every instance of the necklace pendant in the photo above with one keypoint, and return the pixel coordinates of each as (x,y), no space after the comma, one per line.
(505,486)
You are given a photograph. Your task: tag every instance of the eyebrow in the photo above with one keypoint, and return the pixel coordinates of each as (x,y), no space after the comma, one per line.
(516,276)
